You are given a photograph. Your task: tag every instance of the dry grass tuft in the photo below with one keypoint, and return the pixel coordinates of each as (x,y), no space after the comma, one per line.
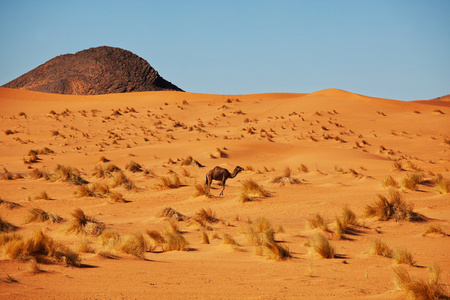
(228,240)
(105,171)
(205,238)
(9,204)
(169,182)
(303,168)
(84,224)
(133,244)
(133,166)
(380,248)
(37,174)
(6,226)
(67,174)
(419,289)
(174,242)
(386,208)
(85,246)
(42,196)
(389,181)
(434,228)
(189,161)
(322,246)
(442,185)
(39,215)
(120,179)
(170,213)
(317,221)
(403,256)
(39,247)
(412,180)
(251,190)
(398,166)
(286,177)
(200,190)
(92,190)
(277,251)
(116,197)
(204,217)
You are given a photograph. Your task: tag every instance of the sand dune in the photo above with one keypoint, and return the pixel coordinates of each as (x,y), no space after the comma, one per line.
(339,148)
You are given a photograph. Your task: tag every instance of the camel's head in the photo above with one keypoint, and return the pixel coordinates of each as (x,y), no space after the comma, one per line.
(238,169)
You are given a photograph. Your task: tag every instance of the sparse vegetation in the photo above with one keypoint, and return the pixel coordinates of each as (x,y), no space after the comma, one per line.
(204,217)
(5,226)
(200,190)
(380,248)
(120,179)
(412,180)
(68,174)
(442,185)
(317,221)
(81,223)
(403,256)
(39,247)
(169,182)
(250,190)
(392,206)
(170,213)
(419,289)
(133,166)
(322,246)
(434,228)
(286,177)
(39,215)
(389,181)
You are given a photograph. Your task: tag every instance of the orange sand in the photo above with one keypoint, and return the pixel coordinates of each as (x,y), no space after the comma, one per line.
(376,132)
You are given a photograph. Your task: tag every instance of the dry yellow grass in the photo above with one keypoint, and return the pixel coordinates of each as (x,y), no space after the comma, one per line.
(380,248)
(205,238)
(250,190)
(133,244)
(39,215)
(286,177)
(389,181)
(5,226)
(403,256)
(36,246)
(169,182)
(120,179)
(170,213)
(81,223)
(317,221)
(67,174)
(200,190)
(434,228)
(133,166)
(322,246)
(420,289)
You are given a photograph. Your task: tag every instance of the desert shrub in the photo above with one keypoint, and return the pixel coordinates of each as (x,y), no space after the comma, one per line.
(81,223)
(205,238)
(9,204)
(228,240)
(303,168)
(277,251)
(120,179)
(251,190)
(169,182)
(398,166)
(189,161)
(175,241)
(133,244)
(348,216)
(200,190)
(317,221)
(389,181)
(412,180)
(442,185)
(403,256)
(434,228)
(170,213)
(109,237)
(116,197)
(39,215)
(322,246)
(42,196)
(380,248)
(68,174)
(85,246)
(37,174)
(105,171)
(204,217)
(92,190)
(286,177)
(5,226)
(38,246)
(419,289)
(133,166)
(386,208)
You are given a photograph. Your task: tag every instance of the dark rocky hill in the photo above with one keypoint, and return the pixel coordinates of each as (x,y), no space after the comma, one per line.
(95,71)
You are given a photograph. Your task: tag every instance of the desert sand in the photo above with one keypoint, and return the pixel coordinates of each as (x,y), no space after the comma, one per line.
(331,149)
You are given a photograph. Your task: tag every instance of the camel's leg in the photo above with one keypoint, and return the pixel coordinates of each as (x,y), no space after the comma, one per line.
(223,187)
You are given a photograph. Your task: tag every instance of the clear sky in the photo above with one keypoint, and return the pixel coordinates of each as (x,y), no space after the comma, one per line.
(397,49)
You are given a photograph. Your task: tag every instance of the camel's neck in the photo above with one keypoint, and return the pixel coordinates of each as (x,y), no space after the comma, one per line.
(235,172)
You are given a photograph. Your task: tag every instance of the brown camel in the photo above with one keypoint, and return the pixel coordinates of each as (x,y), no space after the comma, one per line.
(222,175)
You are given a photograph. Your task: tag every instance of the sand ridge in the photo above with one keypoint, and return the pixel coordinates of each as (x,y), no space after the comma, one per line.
(339,147)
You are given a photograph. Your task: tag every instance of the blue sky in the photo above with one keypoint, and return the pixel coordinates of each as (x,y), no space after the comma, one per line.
(390,49)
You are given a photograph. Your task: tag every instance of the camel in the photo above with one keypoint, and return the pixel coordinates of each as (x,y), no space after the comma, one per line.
(222,175)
